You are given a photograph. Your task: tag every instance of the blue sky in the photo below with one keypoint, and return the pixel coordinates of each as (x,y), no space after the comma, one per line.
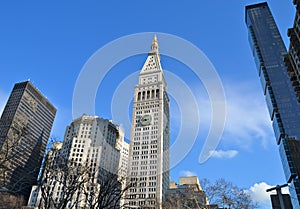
(49,43)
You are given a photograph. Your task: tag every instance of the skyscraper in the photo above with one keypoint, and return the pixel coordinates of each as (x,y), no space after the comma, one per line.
(150,138)
(25,127)
(269,50)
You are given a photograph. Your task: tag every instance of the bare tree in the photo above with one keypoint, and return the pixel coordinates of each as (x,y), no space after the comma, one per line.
(174,201)
(63,183)
(65,179)
(13,182)
(109,191)
(14,178)
(226,194)
(186,197)
(9,147)
(67,184)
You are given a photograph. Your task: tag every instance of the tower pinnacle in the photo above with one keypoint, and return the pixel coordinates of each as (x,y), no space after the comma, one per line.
(154,46)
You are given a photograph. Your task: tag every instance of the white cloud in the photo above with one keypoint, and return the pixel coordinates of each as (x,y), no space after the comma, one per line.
(187,173)
(247,116)
(259,194)
(223,153)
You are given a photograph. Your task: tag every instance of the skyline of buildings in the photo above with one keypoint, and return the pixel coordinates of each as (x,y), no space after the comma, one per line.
(25,127)
(269,51)
(287,143)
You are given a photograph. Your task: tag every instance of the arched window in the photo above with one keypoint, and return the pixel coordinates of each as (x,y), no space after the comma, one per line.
(152,94)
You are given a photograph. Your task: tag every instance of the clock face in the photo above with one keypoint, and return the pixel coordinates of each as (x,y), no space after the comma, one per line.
(145,120)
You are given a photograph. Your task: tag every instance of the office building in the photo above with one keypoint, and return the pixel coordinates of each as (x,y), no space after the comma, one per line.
(25,127)
(97,146)
(150,138)
(92,139)
(269,50)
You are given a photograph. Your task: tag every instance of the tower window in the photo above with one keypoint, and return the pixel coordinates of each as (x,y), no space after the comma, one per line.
(148,94)
(139,96)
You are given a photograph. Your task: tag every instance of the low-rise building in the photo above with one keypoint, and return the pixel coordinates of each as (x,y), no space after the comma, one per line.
(187,194)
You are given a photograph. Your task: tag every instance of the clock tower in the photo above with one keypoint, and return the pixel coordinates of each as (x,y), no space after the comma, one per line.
(149,158)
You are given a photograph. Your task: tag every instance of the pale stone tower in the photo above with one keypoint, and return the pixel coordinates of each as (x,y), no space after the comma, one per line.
(149,161)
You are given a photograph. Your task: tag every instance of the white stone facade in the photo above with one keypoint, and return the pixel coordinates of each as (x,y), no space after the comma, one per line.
(93,142)
(150,138)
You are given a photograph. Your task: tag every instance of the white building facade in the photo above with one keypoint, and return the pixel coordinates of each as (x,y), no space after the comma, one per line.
(98,146)
(150,138)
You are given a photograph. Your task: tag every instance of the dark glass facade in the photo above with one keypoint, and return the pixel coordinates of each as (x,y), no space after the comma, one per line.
(268,51)
(25,127)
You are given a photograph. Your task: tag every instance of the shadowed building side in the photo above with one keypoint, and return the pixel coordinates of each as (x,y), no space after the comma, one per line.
(25,127)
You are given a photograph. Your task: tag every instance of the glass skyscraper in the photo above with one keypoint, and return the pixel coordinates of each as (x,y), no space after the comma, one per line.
(268,51)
